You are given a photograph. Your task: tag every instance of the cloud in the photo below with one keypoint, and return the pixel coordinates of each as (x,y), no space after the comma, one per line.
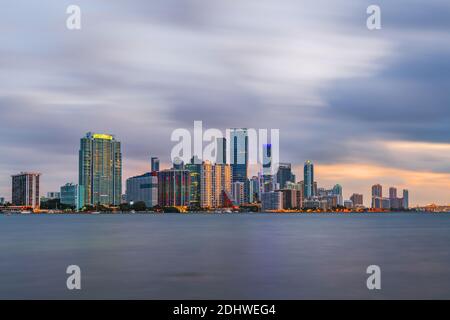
(141,69)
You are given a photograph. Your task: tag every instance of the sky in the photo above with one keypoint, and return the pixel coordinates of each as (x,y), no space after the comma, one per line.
(366,106)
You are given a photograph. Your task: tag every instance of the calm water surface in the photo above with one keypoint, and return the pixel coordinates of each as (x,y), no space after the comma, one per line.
(247,256)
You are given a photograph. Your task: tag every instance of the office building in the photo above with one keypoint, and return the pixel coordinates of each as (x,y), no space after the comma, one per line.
(337,191)
(309,180)
(25,189)
(284,175)
(143,188)
(271,201)
(405,199)
(100,169)
(238,193)
(221,151)
(195,170)
(239,154)
(72,195)
(357,200)
(2,201)
(173,188)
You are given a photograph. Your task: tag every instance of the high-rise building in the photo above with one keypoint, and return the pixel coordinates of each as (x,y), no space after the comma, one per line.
(284,174)
(254,190)
(377,190)
(206,195)
(337,191)
(239,154)
(221,151)
(143,188)
(272,200)
(405,199)
(309,179)
(173,188)
(2,201)
(267,160)
(100,169)
(155,164)
(215,182)
(357,200)
(238,192)
(392,193)
(72,195)
(25,189)
(194,168)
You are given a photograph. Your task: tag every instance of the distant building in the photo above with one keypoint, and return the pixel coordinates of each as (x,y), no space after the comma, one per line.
(292,198)
(377,196)
(405,199)
(155,164)
(100,169)
(238,192)
(254,190)
(173,188)
(348,204)
(239,146)
(53,195)
(195,170)
(2,201)
(271,201)
(72,195)
(357,200)
(143,188)
(25,189)
(221,151)
(284,175)
(337,191)
(308,179)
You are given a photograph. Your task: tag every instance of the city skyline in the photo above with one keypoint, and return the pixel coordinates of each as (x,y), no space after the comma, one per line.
(101,146)
(366,106)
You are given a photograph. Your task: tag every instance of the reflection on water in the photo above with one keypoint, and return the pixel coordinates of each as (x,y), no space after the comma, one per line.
(199,256)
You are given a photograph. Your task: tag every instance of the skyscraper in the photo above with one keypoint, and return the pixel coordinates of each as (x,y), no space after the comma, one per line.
(337,191)
(173,188)
(100,169)
(155,164)
(215,182)
(194,168)
(267,159)
(392,193)
(221,151)
(357,200)
(25,189)
(377,196)
(239,154)
(405,199)
(284,175)
(309,179)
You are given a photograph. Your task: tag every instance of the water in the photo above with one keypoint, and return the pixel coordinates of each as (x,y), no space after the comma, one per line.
(247,256)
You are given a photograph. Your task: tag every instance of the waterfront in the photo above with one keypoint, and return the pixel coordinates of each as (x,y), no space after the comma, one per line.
(229,256)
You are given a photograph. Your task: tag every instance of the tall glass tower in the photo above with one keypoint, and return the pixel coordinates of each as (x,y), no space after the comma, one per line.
(100,169)
(309,179)
(239,154)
